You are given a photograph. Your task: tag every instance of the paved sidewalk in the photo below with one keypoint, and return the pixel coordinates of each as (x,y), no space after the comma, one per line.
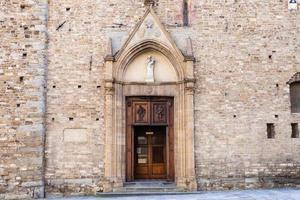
(274,194)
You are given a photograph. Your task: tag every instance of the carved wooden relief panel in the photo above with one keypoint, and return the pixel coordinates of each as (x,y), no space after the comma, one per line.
(159,112)
(149,112)
(147,155)
(141,112)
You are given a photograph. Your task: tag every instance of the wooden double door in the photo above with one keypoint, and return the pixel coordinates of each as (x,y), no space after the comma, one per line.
(150,160)
(149,138)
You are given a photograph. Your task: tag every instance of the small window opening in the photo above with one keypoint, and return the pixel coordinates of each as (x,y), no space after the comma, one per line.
(270,131)
(71,118)
(295,97)
(79,86)
(185,13)
(295,130)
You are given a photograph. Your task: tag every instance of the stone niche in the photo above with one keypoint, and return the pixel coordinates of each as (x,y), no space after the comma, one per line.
(163,68)
(149,64)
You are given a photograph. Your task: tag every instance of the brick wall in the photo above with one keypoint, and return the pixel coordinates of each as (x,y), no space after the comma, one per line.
(22,97)
(245,53)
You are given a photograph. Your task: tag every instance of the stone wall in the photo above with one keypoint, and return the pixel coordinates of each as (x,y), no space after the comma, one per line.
(245,56)
(77,43)
(245,53)
(22,97)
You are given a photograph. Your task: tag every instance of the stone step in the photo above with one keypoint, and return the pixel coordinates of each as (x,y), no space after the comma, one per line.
(124,194)
(146,188)
(150,184)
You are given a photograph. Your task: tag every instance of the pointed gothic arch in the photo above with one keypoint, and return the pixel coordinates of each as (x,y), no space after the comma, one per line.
(122,60)
(149,35)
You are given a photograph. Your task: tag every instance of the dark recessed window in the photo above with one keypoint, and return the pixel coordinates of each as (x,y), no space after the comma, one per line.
(185,13)
(295,97)
(270,130)
(295,130)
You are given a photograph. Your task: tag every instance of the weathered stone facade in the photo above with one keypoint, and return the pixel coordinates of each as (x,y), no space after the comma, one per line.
(53,90)
(23,66)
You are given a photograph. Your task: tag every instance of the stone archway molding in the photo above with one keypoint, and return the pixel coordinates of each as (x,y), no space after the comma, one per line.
(149,35)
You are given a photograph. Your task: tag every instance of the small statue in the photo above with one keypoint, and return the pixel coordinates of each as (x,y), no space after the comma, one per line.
(150,69)
(141,113)
(293,5)
(160,112)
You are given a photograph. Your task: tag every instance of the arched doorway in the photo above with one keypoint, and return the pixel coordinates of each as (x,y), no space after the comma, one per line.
(149,138)
(149,47)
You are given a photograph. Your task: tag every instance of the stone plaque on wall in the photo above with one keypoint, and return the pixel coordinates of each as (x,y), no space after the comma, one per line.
(75,135)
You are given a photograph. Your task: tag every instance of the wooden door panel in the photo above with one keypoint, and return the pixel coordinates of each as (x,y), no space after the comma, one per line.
(141,111)
(142,171)
(150,115)
(158,154)
(150,155)
(159,113)
(159,169)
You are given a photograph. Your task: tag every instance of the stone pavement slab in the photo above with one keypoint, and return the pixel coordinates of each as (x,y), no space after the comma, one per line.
(272,194)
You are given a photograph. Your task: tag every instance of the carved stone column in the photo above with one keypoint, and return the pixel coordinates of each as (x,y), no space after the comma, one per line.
(190,176)
(191,183)
(109,143)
